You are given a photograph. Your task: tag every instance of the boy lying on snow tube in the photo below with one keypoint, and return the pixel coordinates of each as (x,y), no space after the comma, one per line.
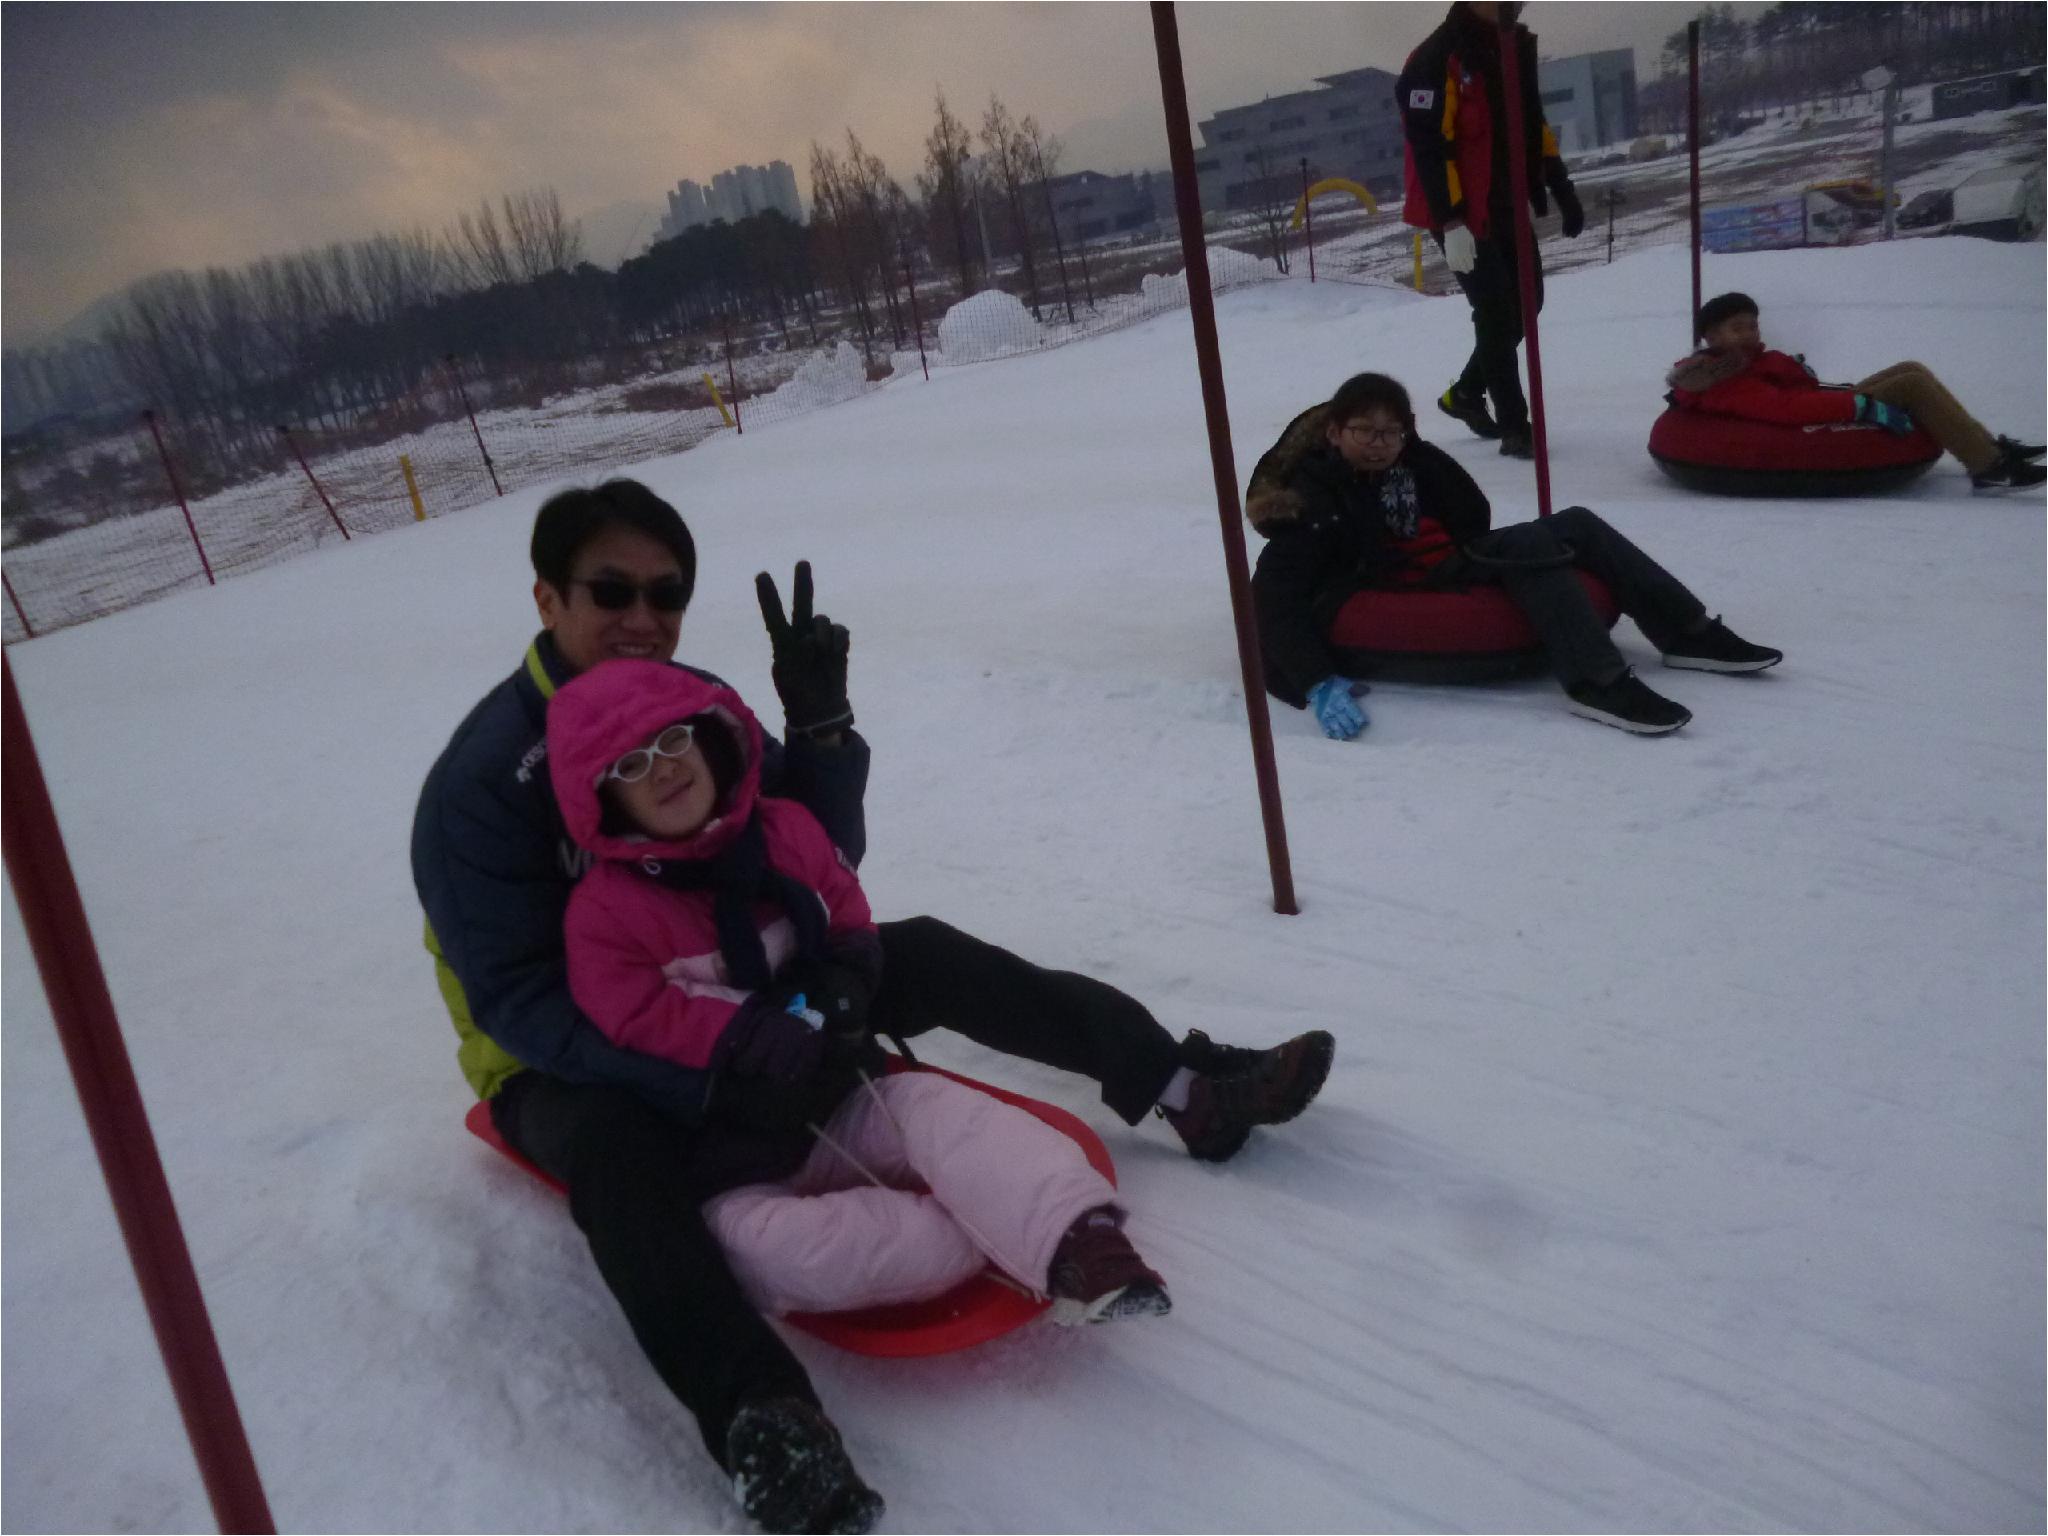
(1379,561)
(1748,421)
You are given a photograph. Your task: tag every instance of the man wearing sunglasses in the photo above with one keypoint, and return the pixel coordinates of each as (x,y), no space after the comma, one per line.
(614,569)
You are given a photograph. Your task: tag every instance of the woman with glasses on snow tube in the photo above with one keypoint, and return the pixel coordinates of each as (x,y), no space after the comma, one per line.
(1353,501)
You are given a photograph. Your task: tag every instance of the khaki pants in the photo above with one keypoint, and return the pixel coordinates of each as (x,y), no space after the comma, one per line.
(1915,389)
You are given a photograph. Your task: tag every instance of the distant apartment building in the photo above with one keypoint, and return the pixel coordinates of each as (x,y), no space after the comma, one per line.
(1091,206)
(1590,99)
(1350,127)
(733,195)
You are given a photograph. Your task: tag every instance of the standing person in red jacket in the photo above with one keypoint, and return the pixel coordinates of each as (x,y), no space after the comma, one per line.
(1460,188)
(1734,374)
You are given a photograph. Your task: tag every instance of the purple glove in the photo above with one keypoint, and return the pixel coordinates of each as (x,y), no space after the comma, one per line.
(763,1040)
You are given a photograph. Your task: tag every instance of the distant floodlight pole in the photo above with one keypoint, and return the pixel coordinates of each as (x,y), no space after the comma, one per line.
(1692,137)
(1525,246)
(83,1010)
(1209,360)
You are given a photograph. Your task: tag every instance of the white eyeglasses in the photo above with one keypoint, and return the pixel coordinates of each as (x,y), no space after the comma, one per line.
(638,763)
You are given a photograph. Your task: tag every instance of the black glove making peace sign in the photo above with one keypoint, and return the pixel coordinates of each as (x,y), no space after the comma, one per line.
(810,658)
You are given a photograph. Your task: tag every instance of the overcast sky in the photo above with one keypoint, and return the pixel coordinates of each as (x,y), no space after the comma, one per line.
(135,138)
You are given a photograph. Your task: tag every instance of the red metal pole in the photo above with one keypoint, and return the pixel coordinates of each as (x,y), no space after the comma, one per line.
(916,319)
(463,395)
(1692,64)
(19,612)
(1209,360)
(298,453)
(732,383)
(1525,248)
(178,491)
(1308,218)
(61,940)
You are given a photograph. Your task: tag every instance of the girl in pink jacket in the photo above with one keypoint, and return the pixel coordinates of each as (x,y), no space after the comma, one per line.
(722,930)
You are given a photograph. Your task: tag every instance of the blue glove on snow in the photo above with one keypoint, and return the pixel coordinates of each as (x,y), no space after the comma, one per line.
(1891,417)
(1335,707)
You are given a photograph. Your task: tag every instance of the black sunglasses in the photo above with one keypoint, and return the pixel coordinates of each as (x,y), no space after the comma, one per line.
(667,595)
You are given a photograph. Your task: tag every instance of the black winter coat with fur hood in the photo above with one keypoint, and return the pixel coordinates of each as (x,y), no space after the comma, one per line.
(1332,532)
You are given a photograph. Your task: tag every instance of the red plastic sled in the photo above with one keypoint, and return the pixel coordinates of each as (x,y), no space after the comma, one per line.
(973,1312)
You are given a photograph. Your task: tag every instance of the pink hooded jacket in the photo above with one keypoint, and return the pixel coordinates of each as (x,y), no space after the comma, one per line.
(644,962)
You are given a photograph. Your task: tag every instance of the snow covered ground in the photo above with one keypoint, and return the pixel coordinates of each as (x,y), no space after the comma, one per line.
(1682,1167)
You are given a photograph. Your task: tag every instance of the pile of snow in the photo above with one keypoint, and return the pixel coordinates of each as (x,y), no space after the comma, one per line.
(1228,268)
(986,325)
(825,378)
(1682,1164)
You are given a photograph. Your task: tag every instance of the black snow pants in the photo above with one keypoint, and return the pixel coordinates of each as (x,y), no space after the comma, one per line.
(637,1191)
(1493,287)
(936,977)
(1534,564)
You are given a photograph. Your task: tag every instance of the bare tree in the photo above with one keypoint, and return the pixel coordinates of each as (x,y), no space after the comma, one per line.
(1272,187)
(1009,163)
(486,257)
(945,184)
(541,240)
(1044,153)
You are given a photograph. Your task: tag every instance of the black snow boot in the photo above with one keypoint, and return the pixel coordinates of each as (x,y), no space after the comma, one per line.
(790,1471)
(2013,448)
(1470,409)
(1517,443)
(2009,471)
(1236,1088)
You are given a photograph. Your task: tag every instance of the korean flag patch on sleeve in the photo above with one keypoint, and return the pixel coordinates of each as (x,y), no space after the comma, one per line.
(1421,101)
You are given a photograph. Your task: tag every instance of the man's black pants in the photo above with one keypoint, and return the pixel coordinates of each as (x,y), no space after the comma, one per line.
(1493,287)
(637,1182)
(1534,563)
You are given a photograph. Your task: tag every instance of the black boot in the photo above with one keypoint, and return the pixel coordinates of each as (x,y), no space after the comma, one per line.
(1236,1088)
(1470,409)
(1517,443)
(2012,448)
(2010,470)
(790,1471)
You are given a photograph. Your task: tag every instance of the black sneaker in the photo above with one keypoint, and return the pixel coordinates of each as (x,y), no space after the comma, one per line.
(2010,471)
(1629,705)
(790,1471)
(1717,648)
(1097,1275)
(1236,1088)
(1470,409)
(2013,448)
(1517,443)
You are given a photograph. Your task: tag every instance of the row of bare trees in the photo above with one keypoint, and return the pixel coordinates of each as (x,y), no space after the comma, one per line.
(358,331)
(1801,50)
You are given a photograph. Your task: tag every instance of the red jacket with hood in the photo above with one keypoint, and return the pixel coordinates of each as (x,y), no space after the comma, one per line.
(1771,386)
(1452,101)
(644,961)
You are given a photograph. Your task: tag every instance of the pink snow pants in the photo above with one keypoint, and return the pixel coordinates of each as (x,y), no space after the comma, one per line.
(1004,1186)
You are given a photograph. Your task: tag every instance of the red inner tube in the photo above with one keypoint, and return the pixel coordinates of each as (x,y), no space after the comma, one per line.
(1727,442)
(1464,621)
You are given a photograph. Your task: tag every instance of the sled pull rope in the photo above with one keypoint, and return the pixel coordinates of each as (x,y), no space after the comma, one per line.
(1012,1273)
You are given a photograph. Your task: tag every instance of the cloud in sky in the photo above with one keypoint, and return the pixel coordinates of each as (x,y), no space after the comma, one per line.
(140,137)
